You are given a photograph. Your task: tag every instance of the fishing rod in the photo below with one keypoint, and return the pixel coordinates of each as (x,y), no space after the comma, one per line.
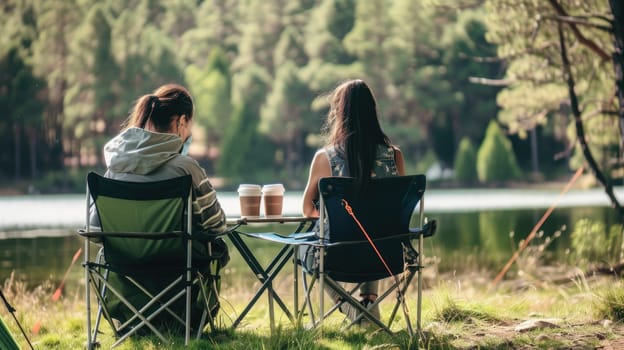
(531,235)
(12,312)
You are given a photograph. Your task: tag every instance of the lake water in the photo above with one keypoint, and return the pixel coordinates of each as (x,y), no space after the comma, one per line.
(38,240)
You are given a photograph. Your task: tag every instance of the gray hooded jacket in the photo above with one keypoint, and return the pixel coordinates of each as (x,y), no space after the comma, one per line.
(140,155)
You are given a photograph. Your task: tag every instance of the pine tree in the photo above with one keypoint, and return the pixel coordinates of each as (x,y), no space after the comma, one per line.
(466,162)
(496,161)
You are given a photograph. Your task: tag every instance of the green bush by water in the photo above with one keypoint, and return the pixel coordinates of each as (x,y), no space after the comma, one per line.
(466,162)
(496,160)
(593,243)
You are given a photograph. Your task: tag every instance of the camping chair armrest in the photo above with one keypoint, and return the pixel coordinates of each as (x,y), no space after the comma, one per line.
(98,235)
(428,230)
(232,227)
(95,234)
(302,238)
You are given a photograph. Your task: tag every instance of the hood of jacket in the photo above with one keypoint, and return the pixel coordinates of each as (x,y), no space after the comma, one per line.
(139,151)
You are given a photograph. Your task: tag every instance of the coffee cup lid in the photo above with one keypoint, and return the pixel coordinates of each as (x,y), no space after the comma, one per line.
(273,188)
(249,188)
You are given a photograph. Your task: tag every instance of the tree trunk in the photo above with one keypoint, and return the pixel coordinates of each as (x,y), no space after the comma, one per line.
(32,147)
(580,130)
(617,9)
(534,151)
(18,151)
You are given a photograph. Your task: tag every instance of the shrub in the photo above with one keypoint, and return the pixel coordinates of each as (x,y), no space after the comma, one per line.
(610,304)
(496,160)
(592,243)
(466,162)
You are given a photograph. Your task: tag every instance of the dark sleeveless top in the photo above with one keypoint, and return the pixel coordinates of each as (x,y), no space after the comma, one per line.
(383,166)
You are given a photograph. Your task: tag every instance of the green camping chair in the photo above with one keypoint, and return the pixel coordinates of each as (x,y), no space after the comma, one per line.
(146,276)
(7,341)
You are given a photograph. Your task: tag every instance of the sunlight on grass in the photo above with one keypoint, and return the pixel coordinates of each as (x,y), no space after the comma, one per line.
(458,312)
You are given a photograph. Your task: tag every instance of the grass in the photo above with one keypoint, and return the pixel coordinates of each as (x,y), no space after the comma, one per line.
(458,313)
(610,304)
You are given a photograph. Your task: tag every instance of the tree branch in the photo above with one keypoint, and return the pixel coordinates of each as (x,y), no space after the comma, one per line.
(578,21)
(596,16)
(580,130)
(490,82)
(531,50)
(577,33)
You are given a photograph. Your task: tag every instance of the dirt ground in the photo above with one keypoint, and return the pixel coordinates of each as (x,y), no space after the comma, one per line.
(540,334)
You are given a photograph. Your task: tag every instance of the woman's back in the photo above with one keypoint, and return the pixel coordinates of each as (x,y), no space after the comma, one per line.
(384,164)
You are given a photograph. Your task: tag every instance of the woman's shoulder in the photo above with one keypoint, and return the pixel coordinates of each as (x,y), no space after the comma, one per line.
(189,166)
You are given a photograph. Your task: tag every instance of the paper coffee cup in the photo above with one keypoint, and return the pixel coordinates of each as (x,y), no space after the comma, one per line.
(273,195)
(249,196)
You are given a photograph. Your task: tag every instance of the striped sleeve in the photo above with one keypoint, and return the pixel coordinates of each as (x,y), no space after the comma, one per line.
(207,211)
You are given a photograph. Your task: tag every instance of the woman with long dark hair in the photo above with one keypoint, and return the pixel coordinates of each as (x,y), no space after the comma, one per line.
(356,146)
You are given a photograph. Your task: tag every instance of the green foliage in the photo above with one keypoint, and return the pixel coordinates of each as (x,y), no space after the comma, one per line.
(610,304)
(216,26)
(84,63)
(593,244)
(453,312)
(494,234)
(424,163)
(66,181)
(286,116)
(466,162)
(495,159)
(536,92)
(93,86)
(211,88)
(243,147)
(329,22)
(235,144)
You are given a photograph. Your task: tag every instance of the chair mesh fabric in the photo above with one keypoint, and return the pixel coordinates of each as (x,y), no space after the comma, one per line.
(124,215)
(384,209)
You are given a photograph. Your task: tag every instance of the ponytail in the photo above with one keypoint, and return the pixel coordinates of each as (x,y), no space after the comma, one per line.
(153,103)
(159,109)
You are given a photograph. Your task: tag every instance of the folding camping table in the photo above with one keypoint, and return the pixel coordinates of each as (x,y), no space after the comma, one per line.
(267,275)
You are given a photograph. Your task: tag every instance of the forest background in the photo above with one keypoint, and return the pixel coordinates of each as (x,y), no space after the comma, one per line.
(474,89)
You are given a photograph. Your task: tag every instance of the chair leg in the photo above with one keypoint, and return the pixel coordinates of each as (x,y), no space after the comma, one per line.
(307,301)
(207,313)
(137,313)
(420,267)
(90,339)
(405,281)
(202,323)
(98,318)
(363,311)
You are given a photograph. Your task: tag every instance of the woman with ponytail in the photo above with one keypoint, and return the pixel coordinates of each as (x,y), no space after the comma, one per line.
(356,146)
(153,146)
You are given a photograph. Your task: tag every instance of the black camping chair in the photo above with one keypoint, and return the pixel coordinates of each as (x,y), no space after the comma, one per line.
(146,277)
(369,239)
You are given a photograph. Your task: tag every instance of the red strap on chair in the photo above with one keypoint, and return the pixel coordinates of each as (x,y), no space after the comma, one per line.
(349,210)
(370,241)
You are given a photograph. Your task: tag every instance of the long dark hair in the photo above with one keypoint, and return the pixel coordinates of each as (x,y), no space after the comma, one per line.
(353,128)
(160,107)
